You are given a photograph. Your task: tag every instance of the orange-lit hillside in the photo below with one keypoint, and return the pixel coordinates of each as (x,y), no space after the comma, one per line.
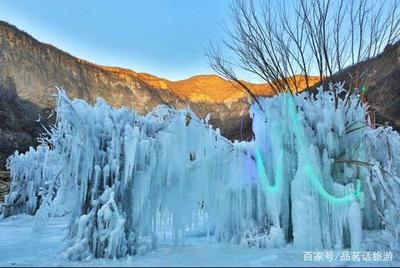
(205,88)
(214,88)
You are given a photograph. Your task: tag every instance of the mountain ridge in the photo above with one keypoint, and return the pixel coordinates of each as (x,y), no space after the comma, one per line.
(232,92)
(30,71)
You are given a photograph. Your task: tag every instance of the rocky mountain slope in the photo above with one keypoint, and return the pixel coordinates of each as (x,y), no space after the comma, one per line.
(381,78)
(30,71)
(4,184)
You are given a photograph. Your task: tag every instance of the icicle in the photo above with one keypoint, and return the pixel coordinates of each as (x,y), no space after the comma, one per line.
(124,179)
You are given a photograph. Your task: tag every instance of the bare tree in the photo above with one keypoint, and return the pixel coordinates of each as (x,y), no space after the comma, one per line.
(278,42)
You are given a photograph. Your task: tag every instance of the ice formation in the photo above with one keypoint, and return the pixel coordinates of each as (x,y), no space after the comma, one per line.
(314,175)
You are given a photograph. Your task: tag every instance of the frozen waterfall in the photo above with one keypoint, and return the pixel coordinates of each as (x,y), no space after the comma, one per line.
(314,175)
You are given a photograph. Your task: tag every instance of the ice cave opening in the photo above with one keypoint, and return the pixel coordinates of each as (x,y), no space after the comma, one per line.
(314,175)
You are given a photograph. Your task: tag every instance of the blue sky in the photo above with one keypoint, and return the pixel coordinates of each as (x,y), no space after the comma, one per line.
(162,37)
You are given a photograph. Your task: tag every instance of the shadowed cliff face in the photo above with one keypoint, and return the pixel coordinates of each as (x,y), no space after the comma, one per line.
(19,127)
(383,85)
(4,184)
(37,68)
(381,78)
(30,71)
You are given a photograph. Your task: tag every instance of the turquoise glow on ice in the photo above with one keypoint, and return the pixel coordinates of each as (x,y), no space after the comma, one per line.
(309,169)
(263,174)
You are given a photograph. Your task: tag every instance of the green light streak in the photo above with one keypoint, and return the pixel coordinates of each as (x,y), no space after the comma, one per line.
(263,174)
(309,168)
(362,90)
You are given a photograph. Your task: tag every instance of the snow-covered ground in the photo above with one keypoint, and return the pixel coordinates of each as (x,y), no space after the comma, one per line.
(21,244)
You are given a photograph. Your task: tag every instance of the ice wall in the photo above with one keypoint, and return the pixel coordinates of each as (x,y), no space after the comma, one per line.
(125,178)
(314,174)
(335,165)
